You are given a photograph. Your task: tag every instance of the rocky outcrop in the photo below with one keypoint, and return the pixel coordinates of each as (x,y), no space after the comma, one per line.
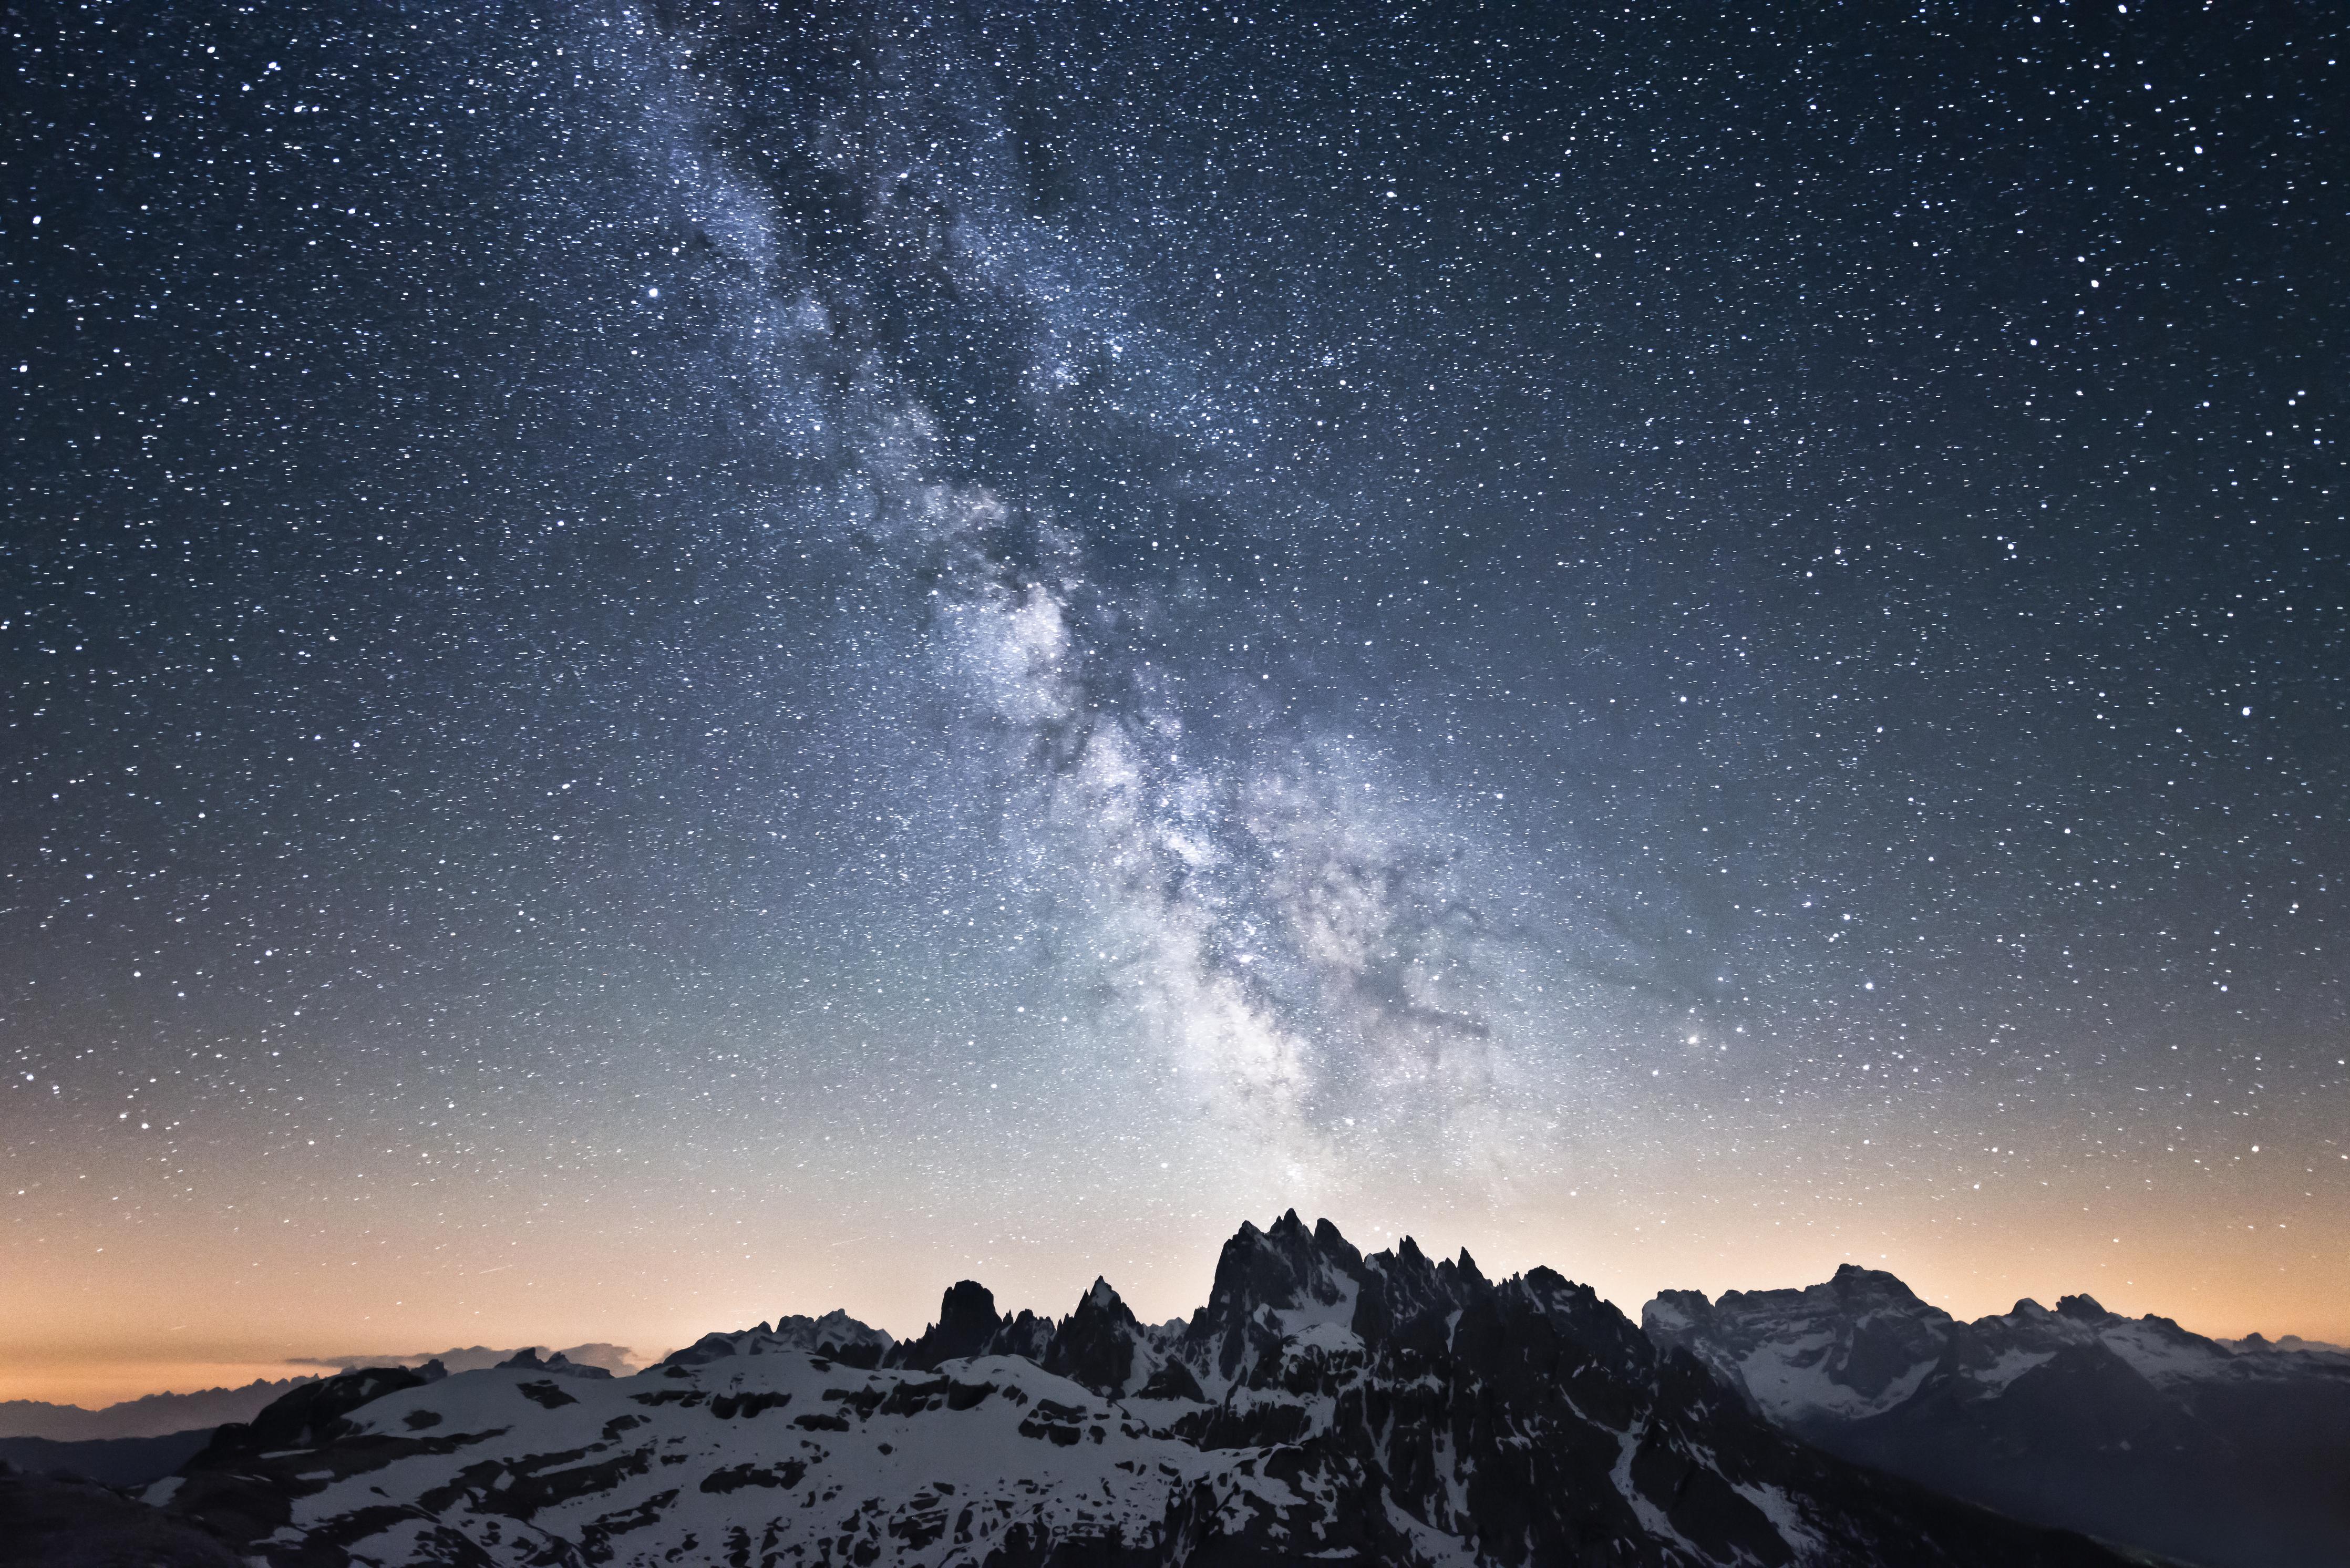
(311,1415)
(47,1522)
(967,1322)
(558,1363)
(1101,1347)
(117,1461)
(837,1336)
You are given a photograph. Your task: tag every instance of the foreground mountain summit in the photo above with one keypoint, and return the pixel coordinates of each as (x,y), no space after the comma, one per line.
(1322,1406)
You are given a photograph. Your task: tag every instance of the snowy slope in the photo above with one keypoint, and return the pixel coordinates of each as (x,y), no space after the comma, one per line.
(1854,1347)
(821,1458)
(2133,1428)
(1321,1407)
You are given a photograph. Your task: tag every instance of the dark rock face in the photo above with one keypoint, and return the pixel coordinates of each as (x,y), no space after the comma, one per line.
(1324,1406)
(112,1461)
(2133,1429)
(967,1322)
(709,1347)
(527,1360)
(968,1326)
(1101,1347)
(1025,1336)
(47,1522)
(1530,1420)
(311,1415)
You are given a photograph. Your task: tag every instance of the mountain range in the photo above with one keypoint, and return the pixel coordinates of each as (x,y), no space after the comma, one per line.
(172,1414)
(614,1358)
(1322,1407)
(2235,1454)
(151,1416)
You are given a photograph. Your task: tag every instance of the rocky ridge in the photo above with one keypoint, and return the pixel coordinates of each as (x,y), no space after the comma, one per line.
(1322,1406)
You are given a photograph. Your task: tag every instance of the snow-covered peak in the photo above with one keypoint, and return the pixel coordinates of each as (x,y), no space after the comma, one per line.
(1862,1343)
(835,1332)
(1385,1411)
(1855,1345)
(2135,1428)
(1270,1285)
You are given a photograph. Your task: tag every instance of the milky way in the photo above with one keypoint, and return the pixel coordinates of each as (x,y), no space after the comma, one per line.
(728,660)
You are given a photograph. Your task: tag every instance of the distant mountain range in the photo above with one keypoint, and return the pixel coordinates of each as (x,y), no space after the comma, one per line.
(2291,1342)
(2234,1454)
(1324,1406)
(117,1461)
(614,1358)
(155,1416)
(166,1415)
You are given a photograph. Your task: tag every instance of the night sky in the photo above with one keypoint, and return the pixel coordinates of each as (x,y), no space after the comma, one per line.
(661,666)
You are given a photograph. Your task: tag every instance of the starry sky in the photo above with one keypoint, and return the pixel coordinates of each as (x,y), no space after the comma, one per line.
(667,664)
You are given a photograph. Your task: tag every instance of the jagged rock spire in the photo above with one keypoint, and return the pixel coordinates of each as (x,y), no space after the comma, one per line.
(1100,1345)
(967,1322)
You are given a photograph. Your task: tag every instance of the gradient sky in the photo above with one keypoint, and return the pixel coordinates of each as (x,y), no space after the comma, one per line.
(665,666)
